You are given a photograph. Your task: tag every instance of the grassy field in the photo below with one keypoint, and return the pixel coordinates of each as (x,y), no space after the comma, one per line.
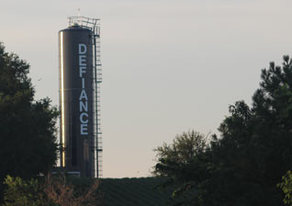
(134,192)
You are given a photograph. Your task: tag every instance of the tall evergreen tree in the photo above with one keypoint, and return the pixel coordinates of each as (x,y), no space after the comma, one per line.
(255,145)
(254,150)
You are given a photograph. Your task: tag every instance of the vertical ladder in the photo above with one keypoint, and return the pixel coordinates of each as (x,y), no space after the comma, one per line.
(97,80)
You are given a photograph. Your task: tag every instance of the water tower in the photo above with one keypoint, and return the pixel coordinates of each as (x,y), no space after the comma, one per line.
(80,78)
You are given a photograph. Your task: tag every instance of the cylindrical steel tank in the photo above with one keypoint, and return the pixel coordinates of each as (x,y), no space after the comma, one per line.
(76,100)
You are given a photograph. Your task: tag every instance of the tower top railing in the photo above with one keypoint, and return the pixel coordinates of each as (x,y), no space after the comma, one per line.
(85,22)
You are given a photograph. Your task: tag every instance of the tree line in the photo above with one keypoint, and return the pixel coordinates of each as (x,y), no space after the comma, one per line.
(248,163)
(244,165)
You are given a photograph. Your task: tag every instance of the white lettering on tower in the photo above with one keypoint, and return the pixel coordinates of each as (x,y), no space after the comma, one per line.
(83,99)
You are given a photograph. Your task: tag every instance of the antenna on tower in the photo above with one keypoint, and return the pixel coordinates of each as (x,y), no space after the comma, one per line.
(78,16)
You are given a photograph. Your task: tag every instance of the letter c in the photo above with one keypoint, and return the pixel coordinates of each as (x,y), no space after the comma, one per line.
(82,120)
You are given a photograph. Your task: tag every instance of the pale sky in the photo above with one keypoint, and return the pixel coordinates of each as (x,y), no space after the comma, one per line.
(168,65)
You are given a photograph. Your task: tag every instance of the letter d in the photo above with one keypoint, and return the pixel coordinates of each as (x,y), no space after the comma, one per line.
(82,49)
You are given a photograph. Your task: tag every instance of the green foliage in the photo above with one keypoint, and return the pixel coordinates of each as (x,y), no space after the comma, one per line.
(286,186)
(244,165)
(184,163)
(27,127)
(182,151)
(51,191)
(23,193)
(255,146)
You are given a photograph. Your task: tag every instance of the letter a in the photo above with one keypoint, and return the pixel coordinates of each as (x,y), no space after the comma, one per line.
(83,95)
